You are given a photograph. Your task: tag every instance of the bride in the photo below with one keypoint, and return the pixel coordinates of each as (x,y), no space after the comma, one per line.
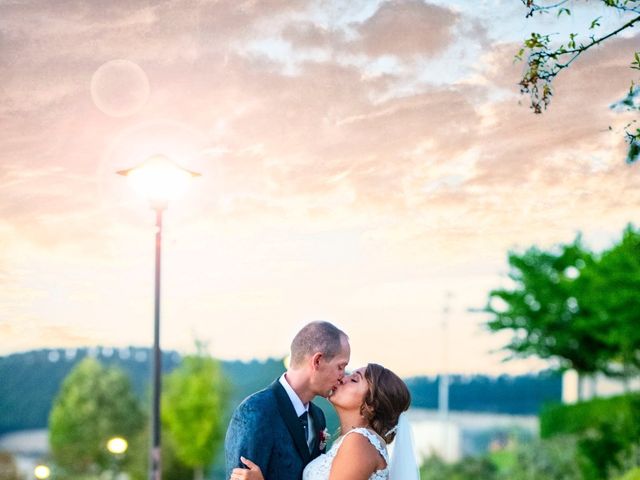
(369,403)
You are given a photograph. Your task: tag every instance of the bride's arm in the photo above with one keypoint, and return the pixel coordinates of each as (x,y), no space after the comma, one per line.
(356,459)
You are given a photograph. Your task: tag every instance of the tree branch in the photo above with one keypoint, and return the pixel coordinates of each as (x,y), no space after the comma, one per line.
(584,48)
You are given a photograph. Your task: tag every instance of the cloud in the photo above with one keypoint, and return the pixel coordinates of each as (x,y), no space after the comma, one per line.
(311,35)
(407,27)
(323,182)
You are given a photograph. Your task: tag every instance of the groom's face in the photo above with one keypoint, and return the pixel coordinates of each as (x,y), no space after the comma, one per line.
(329,373)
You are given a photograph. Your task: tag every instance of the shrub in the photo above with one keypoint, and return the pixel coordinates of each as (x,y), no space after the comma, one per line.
(552,459)
(607,430)
(631,475)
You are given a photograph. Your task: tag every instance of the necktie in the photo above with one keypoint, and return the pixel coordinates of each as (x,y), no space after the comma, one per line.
(304,420)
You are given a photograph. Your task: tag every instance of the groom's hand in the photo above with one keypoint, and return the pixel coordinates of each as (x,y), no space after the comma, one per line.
(252,472)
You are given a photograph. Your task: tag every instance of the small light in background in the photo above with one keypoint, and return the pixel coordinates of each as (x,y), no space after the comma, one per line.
(117,445)
(42,472)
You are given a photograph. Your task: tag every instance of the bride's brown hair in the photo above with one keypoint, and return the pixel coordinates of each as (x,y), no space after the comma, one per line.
(387,398)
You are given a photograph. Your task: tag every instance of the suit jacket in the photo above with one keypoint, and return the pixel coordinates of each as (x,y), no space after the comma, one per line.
(266,430)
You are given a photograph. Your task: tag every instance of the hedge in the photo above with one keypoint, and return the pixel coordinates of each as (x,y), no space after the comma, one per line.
(607,429)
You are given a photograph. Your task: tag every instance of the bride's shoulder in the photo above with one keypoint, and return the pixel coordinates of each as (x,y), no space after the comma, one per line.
(360,447)
(365,442)
(370,436)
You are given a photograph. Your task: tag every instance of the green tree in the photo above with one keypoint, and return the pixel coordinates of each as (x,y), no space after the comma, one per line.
(94,404)
(545,310)
(573,306)
(614,283)
(546,57)
(195,400)
(138,466)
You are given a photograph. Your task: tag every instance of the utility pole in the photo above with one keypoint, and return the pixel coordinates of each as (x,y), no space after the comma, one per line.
(443,384)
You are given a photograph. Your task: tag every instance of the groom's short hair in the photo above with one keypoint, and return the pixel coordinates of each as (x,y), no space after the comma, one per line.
(323,337)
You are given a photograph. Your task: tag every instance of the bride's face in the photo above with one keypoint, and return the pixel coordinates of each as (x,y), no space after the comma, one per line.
(351,392)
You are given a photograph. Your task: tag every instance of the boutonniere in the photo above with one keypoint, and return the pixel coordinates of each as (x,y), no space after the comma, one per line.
(324,436)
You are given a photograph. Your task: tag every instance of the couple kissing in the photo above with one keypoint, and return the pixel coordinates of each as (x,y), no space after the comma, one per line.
(279,434)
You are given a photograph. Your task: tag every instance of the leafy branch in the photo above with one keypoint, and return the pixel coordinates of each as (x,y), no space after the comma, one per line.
(545,61)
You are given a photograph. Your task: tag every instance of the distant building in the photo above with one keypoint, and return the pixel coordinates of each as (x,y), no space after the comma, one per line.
(465,433)
(594,386)
(29,447)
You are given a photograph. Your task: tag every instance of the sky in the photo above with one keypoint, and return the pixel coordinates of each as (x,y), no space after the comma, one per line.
(369,163)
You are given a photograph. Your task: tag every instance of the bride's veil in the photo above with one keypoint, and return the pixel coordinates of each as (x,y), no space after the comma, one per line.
(403,465)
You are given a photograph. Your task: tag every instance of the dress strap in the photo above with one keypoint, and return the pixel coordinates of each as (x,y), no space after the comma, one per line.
(373,439)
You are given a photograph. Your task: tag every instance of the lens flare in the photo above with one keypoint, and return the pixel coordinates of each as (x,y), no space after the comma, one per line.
(159,180)
(117,445)
(42,472)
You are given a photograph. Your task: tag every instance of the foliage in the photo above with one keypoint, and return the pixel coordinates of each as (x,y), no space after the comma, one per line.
(629,462)
(617,277)
(32,379)
(8,467)
(27,390)
(523,394)
(469,468)
(560,456)
(138,454)
(631,475)
(553,459)
(94,404)
(573,306)
(543,309)
(195,402)
(607,430)
(547,58)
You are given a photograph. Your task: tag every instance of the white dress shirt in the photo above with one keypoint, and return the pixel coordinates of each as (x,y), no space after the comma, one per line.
(299,407)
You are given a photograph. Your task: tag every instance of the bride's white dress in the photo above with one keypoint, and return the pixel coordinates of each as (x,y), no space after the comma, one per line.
(320,468)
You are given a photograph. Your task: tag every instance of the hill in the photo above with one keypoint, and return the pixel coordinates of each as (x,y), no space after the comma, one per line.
(29,382)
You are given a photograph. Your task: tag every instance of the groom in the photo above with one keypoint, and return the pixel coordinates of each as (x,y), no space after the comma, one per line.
(278,428)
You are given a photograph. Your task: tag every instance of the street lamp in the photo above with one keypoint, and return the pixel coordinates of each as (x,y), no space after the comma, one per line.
(117,446)
(160,180)
(42,472)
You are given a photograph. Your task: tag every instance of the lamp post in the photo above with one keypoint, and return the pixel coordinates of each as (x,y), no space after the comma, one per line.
(443,384)
(117,446)
(42,472)
(159,180)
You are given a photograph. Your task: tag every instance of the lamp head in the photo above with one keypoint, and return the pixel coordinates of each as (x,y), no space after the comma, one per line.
(117,445)
(159,180)
(42,472)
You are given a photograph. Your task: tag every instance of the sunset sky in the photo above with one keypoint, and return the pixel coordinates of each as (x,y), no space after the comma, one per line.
(360,161)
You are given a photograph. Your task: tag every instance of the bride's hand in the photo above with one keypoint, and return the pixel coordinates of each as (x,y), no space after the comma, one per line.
(252,472)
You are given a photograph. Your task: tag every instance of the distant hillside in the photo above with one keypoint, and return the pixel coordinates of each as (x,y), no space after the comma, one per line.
(523,394)
(29,382)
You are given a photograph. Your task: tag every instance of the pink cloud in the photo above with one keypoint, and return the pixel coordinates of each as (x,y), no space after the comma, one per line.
(407,27)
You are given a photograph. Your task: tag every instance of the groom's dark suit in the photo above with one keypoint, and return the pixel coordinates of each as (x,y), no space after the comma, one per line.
(266,430)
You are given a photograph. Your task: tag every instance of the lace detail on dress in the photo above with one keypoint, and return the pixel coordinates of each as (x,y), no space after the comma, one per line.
(320,468)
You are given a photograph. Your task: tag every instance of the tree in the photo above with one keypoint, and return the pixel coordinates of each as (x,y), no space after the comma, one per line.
(194,408)
(545,310)
(94,404)
(546,59)
(574,306)
(614,283)
(138,455)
